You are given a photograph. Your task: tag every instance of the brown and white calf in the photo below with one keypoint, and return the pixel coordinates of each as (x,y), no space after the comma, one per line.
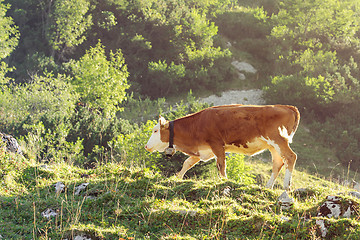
(245,129)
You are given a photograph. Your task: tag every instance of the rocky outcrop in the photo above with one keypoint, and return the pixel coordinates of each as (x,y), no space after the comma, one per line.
(10,143)
(243,67)
(334,207)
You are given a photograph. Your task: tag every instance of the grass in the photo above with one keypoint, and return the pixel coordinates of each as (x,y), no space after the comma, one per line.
(142,204)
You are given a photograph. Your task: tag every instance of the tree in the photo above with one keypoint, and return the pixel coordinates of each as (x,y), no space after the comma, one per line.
(9,36)
(101,82)
(311,27)
(318,39)
(68,23)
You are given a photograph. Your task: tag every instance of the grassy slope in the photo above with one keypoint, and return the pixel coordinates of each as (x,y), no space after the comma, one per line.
(140,204)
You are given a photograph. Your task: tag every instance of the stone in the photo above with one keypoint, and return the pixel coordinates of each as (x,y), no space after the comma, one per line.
(11,143)
(59,187)
(81,187)
(227,191)
(285,201)
(355,194)
(82,237)
(241,76)
(45,167)
(192,213)
(333,207)
(357,186)
(243,67)
(285,219)
(48,213)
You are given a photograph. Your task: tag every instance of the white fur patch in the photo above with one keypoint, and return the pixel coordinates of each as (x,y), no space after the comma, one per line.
(284,133)
(154,143)
(270,183)
(287,179)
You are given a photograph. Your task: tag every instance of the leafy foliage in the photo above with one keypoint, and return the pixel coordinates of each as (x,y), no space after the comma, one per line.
(9,34)
(68,22)
(100,82)
(46,95)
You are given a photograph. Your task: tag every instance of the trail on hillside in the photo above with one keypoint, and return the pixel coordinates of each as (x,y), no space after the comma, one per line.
(252,96)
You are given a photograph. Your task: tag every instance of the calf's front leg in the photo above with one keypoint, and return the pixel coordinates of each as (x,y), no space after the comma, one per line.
(189,163)
(219,152)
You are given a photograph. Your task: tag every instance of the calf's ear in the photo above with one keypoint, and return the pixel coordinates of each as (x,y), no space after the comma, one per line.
(162,121)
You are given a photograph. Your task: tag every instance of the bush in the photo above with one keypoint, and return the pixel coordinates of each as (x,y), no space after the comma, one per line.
(95,131)
(46,95)
(47,141)
(305,92)
(237,169)
(101,82)
(341,132)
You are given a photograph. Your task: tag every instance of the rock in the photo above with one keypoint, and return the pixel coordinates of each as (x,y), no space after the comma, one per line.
(243,67)
(355,194)
(59,187)
(82,237)
(285,201)
(357,186)
(333,207)
(45,167)
(186,212)
(90,197)
(48,213)
(241,76)
(227,191)
(286,219)
(11,143)
(81,187)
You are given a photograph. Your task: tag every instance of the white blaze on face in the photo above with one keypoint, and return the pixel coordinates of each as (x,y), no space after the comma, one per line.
(154,143)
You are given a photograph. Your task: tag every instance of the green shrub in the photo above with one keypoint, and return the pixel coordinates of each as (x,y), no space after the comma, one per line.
(45,95)
(95,131)
(47,141)
(140,110)
(305,92)
(101,82)
(341,132)
(237,169)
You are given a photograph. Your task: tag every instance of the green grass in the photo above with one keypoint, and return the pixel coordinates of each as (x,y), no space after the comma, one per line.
(142,204)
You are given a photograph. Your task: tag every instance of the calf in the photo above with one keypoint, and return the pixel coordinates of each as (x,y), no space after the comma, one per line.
(245,129)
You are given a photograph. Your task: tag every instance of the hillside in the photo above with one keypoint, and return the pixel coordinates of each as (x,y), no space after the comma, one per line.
(82,83)
(123,203)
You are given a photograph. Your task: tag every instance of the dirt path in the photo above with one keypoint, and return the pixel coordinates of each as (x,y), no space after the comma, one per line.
(253,96)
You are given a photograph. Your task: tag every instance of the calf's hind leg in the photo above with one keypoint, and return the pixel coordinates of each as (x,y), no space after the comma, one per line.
(289,158)
(278,163)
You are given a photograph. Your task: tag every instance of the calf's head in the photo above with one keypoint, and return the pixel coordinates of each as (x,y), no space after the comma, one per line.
(159,139)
